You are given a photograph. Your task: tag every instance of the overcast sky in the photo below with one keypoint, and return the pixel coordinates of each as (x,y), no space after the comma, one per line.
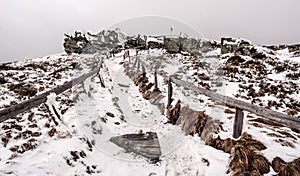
(34,28)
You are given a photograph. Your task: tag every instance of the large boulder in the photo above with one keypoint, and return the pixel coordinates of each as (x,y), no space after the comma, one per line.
(230,45)
(144,144)
(172,45)
(89,43)
(135,42)
(75,43)
(71,46)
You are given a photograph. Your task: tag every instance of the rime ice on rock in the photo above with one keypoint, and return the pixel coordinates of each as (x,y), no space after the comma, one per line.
(144,144)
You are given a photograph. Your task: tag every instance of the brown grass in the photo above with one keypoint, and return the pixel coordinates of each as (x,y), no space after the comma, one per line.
(227,144)
(199,126)
(259,163)
(228,111)
(277,163)
(266,121)
(244,161)
(239,159)
(286,169)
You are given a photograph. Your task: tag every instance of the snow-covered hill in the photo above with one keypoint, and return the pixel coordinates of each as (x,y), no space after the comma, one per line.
(32,144)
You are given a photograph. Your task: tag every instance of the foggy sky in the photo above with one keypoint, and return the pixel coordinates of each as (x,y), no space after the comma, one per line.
(34,28)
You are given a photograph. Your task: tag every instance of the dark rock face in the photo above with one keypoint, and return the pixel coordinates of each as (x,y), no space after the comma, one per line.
(172,45)
(91,43)
(232,44)
(152,45)
(74,44)
(71,46)
(144,144)
(135,42)
(191,45)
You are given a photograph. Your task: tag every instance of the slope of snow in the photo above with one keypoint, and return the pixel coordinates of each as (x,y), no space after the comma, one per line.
(91,114)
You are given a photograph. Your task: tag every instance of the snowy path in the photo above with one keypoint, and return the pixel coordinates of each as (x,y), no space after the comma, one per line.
(181,154)
(117,109)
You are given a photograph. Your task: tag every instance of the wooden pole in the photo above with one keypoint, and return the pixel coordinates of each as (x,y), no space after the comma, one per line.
(100,64)
(101,81)
(238,123)
(143,71)
(135,62)
(170,92)
(155,80)
(99,75)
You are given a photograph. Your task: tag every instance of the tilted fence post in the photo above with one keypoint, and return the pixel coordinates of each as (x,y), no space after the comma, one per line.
(143,71)
(238,123)
(99,74)
(170,92)
(155,80)
(134,65)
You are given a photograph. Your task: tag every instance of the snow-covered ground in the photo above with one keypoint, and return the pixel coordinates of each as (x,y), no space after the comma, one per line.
(86,130)
(91,114)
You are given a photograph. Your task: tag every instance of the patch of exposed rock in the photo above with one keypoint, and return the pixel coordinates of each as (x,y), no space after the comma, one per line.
(144,144)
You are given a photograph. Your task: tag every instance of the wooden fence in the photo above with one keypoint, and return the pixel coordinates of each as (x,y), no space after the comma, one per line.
(36,101)
(225,100)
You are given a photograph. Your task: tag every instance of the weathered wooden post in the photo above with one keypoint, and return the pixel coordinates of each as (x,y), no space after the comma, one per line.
(128,54)
(155,80)
(134,65)
(100,64)
(101,81)
(170,92)
(99,74)
(143,71)
(83,88)
(238,123)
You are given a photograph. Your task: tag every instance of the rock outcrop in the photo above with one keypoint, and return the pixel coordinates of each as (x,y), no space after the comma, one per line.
(144,144)
(231,45)
(75,44)
(91,43)
(172,45)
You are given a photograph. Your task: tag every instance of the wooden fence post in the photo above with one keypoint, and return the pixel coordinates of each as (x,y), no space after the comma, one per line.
(238,123)
(99,75)
(155,80)
(100,64)
(36,101)
(143,71)
(128,54)
(134,65)
(170,92)
(82,85)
